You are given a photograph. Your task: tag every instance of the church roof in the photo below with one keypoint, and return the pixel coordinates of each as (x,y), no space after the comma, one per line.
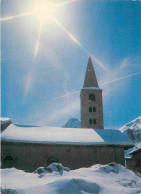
(90,77)
(58,135)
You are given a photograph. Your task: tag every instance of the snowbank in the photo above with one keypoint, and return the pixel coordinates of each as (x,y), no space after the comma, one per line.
(55,167)
(105,179)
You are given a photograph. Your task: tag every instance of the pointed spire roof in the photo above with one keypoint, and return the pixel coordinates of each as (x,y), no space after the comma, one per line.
(90,77)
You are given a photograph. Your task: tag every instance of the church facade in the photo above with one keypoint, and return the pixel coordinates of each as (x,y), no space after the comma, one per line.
(91,101)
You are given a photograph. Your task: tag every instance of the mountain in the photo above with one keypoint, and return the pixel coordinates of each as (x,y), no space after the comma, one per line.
(73,123)
(133,130)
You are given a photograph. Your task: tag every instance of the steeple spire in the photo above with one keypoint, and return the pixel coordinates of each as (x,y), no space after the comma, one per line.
(90,77)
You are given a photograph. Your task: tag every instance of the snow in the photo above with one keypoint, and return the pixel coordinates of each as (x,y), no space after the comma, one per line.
(135,151)
(91,88)
(134,125)
(4,120)
(21,133)
(104,179)
(133,131)
(55,167)
(73,123)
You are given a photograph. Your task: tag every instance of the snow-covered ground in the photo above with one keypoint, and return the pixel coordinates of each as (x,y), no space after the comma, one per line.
(56,179)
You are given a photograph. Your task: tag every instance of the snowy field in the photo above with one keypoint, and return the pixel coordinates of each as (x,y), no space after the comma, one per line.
(56,179)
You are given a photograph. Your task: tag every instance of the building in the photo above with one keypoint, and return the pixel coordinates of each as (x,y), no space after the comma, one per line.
(4,123)
(91,101)
(29,147)
(133,160)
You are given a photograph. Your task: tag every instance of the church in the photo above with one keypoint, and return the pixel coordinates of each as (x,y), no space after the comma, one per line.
(29,147)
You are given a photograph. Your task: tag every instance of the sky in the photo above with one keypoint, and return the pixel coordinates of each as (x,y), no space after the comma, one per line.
(43,60)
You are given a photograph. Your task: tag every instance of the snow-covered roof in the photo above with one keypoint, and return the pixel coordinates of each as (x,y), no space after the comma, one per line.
(4,120)
(128,157)
(135,151)
(21,133)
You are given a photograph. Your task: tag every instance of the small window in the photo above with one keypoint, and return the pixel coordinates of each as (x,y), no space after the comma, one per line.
(8,158)
(52,159)
(90,109)
(90,121)
(94,109)
(7,162)
(92,97)
(94,121)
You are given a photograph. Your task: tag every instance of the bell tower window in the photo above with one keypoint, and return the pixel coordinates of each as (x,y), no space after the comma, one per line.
(92,109)
(90,121)
(92,97)
(94,121)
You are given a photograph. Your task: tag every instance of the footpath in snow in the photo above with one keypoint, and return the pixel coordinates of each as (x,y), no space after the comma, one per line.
(57,179)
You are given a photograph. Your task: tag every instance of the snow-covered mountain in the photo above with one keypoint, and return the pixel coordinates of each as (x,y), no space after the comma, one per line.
(133,130)
(73,123)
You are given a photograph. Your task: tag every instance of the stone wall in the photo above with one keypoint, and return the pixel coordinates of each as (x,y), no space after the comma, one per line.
(29,156)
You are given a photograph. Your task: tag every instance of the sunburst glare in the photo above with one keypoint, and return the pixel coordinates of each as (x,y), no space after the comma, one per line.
(43,10)
(80,45)
(15,16)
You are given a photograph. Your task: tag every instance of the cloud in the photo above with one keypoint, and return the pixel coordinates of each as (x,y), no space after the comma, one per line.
(54,112)
(67,110)
(124,63)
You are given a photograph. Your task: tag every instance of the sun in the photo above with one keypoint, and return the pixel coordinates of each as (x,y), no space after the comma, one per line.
(43,10)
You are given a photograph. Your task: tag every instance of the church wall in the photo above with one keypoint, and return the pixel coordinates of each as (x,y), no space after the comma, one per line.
(86,115)
(29,156)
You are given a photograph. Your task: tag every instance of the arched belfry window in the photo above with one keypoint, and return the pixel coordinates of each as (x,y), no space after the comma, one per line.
(94,109)
(92,97)
(90,121)
(90,109)
(94,121)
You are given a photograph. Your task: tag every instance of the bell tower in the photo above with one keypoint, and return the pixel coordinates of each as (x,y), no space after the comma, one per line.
(91,101)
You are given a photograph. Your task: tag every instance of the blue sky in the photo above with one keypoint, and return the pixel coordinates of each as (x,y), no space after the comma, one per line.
(109,30)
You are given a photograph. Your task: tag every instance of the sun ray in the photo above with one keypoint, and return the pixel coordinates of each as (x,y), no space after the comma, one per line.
(38,39)
(80,45)
(67,2)
(29,79)
(15,16)
(106,83)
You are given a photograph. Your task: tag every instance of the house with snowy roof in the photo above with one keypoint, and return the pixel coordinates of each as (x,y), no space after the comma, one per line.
(133,160)
(28,147)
